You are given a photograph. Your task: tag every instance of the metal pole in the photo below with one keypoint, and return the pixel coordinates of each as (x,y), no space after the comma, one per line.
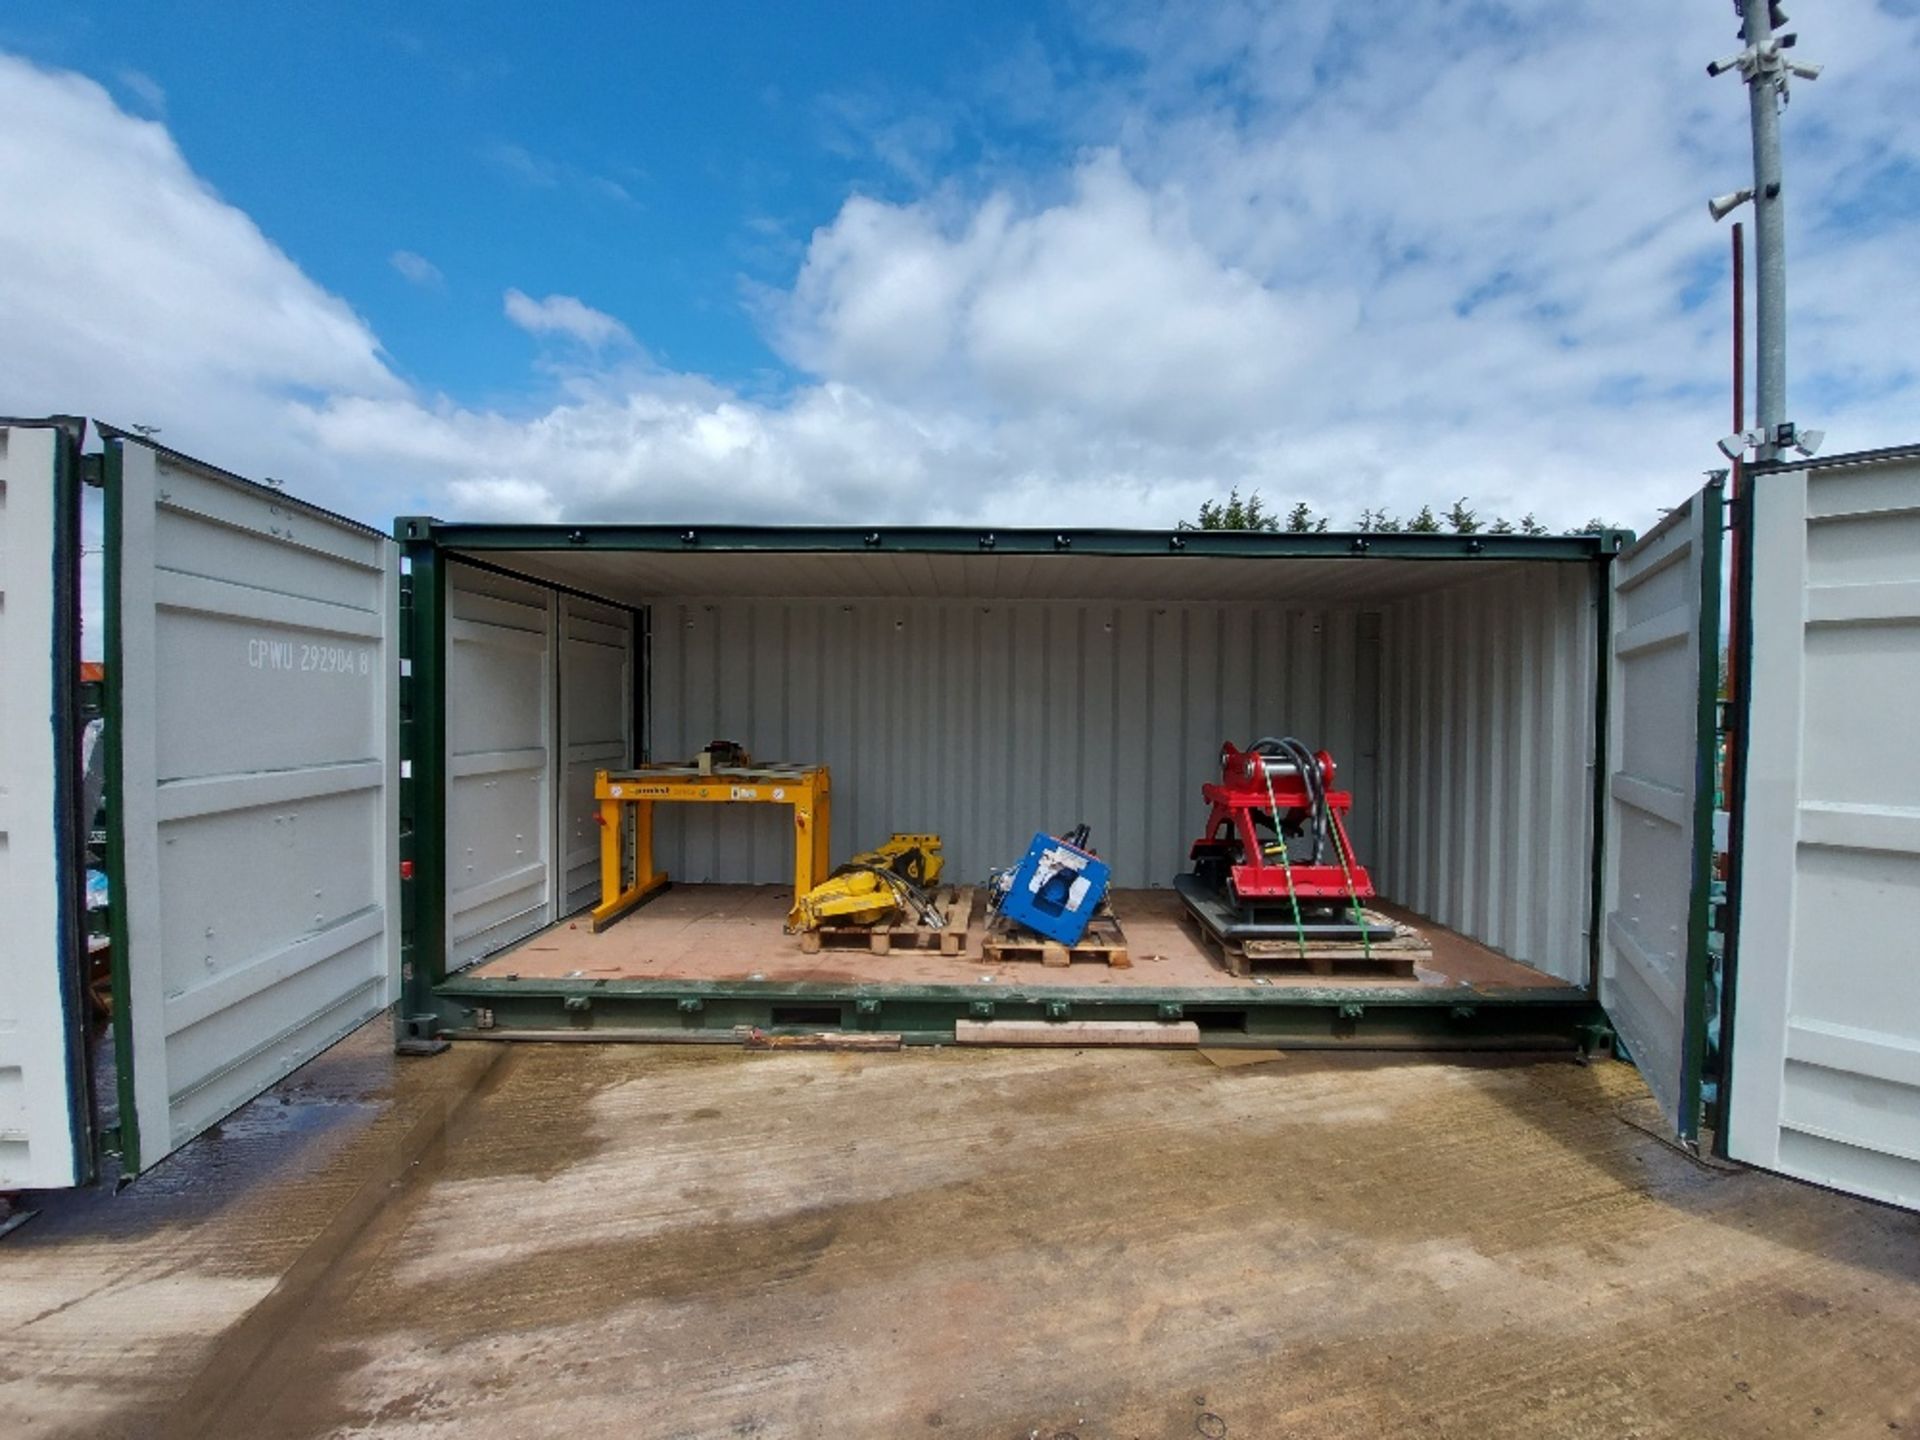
(1736,482)
(1769,236)
(1739,327)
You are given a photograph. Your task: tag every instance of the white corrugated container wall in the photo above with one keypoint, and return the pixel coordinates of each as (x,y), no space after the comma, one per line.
(1462,721)
(988,721)
(1487,749)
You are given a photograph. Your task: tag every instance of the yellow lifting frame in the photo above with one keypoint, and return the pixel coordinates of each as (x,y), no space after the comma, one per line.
(807,788)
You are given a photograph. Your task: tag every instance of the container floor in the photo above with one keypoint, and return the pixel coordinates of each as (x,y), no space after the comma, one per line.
(734,932)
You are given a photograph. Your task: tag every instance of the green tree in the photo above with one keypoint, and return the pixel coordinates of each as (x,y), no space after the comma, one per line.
(1251,513)
(1378,522)
(1233,513)
(1302,521)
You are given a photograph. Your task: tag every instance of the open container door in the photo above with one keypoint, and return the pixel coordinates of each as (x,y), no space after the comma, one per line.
(1663,680)
(43,1105)
(596,733)
(1825,1061)
(253,686)
(499,714)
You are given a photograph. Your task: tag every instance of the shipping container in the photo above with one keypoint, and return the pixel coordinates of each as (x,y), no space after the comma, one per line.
(348,770)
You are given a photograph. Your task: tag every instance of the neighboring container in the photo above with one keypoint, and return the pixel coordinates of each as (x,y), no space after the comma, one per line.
(1528,724)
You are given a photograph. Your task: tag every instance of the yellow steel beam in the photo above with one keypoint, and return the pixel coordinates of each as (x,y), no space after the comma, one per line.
(807,788)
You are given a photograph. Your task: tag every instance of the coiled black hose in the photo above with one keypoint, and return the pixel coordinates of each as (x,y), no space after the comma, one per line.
(1303,760)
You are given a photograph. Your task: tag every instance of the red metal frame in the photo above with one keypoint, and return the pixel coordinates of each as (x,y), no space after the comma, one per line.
(1241,793)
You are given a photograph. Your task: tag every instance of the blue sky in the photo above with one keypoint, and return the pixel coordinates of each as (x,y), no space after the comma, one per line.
(652,157)
(939,262)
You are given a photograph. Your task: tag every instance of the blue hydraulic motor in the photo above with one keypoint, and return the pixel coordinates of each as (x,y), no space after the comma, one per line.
(1055,888)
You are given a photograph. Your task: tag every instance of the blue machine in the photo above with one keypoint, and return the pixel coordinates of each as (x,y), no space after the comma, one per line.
(1055,888)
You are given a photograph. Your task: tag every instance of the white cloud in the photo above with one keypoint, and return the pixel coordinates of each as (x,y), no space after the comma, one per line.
(1390,260)
(1102,306)
(543,173)
(564,315)
(130,290)
(144,88)
(523,165)
(417,269)
(1360,263)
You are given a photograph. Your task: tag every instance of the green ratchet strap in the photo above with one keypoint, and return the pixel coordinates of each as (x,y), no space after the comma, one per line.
(1286,864)
(1359,915)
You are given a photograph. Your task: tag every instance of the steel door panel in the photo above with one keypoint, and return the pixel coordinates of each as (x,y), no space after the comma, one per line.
(1826,1035)
(500,762)
(596,726)
(1659,847)
(41,1096)
(255,805)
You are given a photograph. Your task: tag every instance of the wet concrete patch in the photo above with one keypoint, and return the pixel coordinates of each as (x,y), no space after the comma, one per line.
(112,1299)
(256,1161)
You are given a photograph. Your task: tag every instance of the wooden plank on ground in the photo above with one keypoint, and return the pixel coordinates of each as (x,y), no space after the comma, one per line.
(1076,1033)
(1240,1056)
(823,1040)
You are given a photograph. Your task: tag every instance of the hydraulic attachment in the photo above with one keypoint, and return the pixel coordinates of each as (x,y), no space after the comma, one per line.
(875,886)
(1275,860)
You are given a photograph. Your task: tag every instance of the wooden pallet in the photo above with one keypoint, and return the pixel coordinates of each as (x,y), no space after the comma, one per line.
(954,902)
(1393,959)
(1104,941)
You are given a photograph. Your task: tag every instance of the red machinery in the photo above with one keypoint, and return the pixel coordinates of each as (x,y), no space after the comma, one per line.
(1275,859)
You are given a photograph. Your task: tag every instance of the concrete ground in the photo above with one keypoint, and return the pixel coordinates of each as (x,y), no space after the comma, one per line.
(573,1240)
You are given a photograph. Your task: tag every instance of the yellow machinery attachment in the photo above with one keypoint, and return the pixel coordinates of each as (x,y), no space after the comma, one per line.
(874,886)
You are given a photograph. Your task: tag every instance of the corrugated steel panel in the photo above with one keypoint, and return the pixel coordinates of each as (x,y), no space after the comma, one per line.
(596,729)
(1457,696)
(1826,1044)
(988,722)
(36,1096)
(1486,750)
(1659,853)
(258,715)
(501,703)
